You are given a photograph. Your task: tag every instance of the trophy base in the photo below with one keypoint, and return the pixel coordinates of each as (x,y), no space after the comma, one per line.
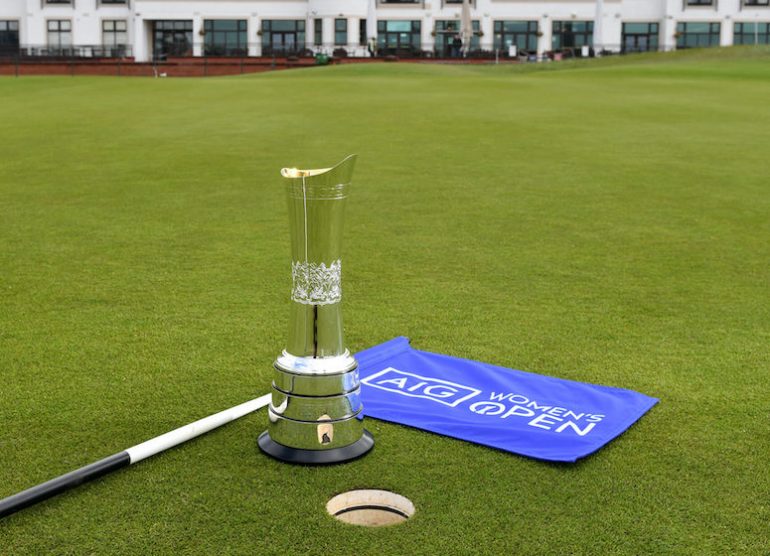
(315,457)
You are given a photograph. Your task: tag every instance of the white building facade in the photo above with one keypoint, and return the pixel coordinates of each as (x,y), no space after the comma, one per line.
(158,29)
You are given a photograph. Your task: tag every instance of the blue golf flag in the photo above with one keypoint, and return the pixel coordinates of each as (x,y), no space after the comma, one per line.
(524,413)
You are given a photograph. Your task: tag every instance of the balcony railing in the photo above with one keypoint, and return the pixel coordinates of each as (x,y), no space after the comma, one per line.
(285,51)
(227,51)
(56,53)
(434,49)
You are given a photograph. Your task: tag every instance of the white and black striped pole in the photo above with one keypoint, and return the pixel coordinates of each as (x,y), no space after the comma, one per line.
(127,457)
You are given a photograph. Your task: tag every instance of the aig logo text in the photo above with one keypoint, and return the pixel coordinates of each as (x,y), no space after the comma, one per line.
(416,386)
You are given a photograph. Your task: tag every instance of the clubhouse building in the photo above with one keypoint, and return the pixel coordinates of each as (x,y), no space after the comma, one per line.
(147,30)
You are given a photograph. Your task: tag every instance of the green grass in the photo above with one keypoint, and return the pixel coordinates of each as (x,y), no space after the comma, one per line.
(606,224)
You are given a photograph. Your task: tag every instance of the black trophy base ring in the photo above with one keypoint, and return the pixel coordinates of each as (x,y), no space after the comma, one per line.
(315,457)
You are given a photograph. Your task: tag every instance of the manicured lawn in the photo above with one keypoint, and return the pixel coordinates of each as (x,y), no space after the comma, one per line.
(609,223)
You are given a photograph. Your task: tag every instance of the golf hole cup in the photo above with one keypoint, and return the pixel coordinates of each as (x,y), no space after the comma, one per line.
(316,413)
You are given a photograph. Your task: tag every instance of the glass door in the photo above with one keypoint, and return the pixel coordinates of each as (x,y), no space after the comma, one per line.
(449,40)
(640,37)
(172,38)
(284,43)
(9,37)
(401,38)
(283,37)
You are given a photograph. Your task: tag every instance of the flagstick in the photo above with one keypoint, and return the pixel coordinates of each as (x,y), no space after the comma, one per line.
(127,457)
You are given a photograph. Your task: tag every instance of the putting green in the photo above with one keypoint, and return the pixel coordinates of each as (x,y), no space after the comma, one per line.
(608,224)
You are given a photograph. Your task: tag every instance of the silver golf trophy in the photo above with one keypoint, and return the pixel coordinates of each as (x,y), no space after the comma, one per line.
(316,413)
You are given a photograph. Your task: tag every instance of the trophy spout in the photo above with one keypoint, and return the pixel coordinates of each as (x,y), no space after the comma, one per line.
(316,413)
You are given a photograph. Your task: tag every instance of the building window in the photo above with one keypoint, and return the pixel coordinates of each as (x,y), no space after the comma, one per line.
(400,1)
(55,2)
(114,38)
(521,34)
(699,2)
(59,35)
(572,35)
(750,33)
(225,37)
(449,39)
(283,37)
(363,40)
(172,38)
(398,37)
(9,37)
(114,32)
(756,3)
(318,32)
(697,34)
(640,37)
(122,2)
(340,32)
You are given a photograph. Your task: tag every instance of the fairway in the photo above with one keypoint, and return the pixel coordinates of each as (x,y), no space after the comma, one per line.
(605,221)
